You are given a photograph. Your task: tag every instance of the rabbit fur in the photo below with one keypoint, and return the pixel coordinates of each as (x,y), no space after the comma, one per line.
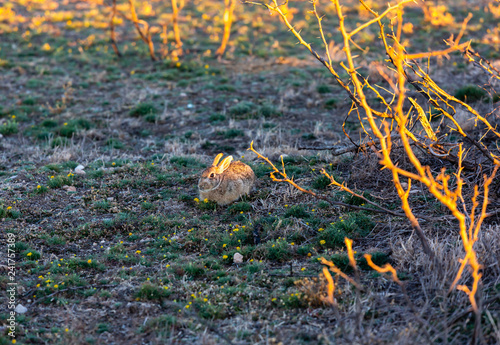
(226,181)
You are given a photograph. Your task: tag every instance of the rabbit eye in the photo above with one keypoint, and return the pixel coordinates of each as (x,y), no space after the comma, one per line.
(212,175)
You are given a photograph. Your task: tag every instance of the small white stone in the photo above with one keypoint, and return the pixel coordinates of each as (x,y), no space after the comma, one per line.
(237,258)
(21,309)
(69,188)
(79,170)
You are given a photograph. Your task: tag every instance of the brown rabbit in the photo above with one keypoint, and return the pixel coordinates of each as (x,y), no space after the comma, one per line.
(225,182)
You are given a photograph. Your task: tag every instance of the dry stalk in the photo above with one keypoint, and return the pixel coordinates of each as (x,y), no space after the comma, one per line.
(175,23)
(112,30)
(357,278)
(394,276)
(145,35)
(67,96)
(482,63)
(164,35)
(228,20)
(338,271)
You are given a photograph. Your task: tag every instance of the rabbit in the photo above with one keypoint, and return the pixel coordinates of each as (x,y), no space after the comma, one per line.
(225,182)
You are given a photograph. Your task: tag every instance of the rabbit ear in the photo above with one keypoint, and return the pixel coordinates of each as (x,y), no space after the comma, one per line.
(224,164)
(217,159)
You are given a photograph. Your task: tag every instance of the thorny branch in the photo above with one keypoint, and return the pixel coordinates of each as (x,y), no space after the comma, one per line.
(285,178)
(438,185)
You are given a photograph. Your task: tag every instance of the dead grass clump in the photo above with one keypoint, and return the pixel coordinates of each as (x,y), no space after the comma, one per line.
(315,290)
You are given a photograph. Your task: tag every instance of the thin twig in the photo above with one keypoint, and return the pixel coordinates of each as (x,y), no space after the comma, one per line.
(112,30)
(379,208)
(146,37)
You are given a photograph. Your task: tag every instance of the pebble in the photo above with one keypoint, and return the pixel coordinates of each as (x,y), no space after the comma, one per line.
(20,309)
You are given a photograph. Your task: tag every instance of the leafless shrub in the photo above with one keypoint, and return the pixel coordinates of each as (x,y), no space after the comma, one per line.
(404,124)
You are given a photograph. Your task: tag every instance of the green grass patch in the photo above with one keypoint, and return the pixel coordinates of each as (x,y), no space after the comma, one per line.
(39,189)
(243,110)
(8,212)
(148,291)
(331,103)
(49,123)
(59,181)
(278,250)
(30,254)
(114,143)
(268,111)
(321,182)
(353,225)
(471,93)
(323,89)
(216,118)
(68,129)
(297,212)
(239,207)
(143,109)
(9,127)
(102,205)
(183,161)
(231,133)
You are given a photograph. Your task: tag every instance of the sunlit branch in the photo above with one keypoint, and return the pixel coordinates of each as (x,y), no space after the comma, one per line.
(378,18)
(228,20)
(112,30)
(145,36)
(175,24)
